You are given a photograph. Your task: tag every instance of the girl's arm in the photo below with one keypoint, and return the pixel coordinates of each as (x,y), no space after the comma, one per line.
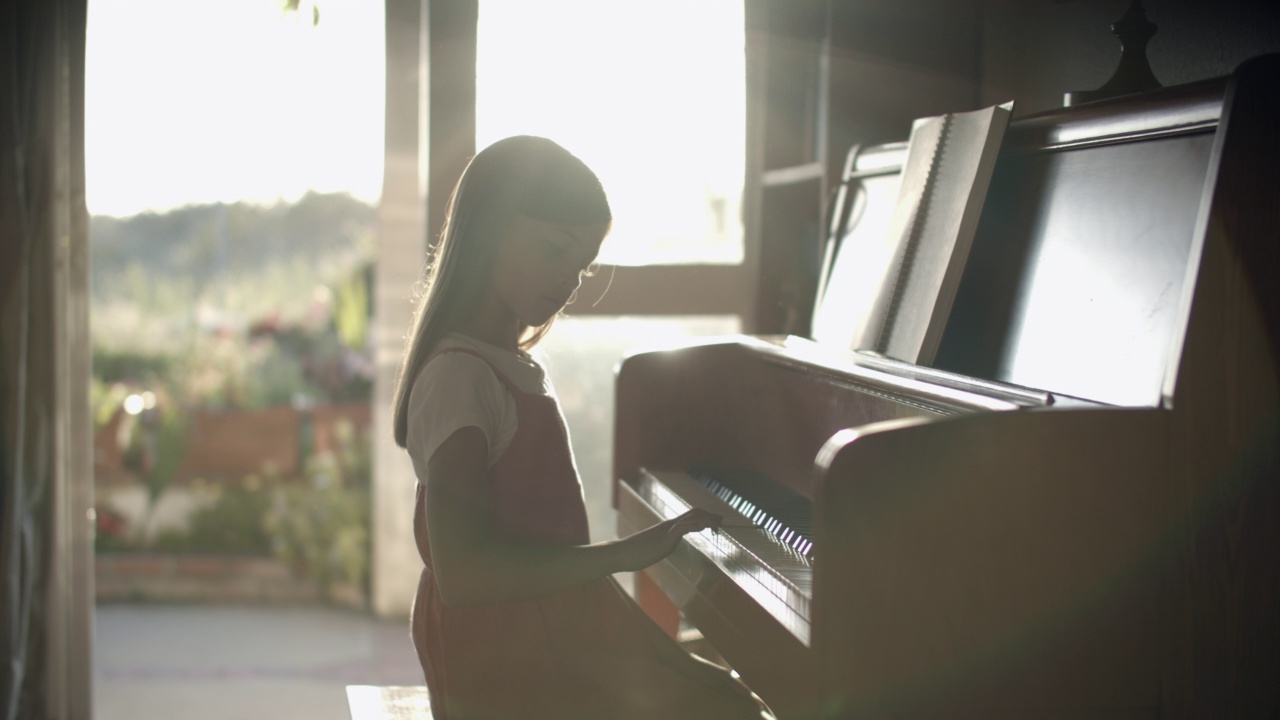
(475,565)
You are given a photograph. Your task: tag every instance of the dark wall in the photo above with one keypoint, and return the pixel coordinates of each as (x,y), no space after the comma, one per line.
(1033,51)
(895,60)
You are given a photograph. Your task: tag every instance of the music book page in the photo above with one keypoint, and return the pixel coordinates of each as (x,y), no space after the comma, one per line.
(912,273)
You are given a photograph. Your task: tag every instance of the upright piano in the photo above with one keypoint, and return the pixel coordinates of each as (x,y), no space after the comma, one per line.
(1073,511)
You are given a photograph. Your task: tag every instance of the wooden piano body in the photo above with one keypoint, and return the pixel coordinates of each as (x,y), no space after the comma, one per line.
(1075,512)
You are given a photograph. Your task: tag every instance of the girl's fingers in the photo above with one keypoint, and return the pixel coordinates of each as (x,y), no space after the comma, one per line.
(700,514)
(696,520)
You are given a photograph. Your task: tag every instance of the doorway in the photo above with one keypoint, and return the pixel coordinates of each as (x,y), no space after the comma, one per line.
(281,108)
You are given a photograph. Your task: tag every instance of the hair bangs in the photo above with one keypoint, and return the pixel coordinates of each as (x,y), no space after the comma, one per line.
(566,198)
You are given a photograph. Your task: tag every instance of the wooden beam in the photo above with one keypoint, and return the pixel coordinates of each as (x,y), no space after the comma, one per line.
(664,290)
(450,94)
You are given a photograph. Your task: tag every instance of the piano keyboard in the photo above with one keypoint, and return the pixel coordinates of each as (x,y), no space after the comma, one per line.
(789,516)
(776,573)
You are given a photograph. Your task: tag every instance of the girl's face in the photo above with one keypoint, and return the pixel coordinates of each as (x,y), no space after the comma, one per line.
(540,264)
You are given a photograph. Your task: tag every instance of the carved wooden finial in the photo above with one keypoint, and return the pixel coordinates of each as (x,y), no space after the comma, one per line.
(1133,74)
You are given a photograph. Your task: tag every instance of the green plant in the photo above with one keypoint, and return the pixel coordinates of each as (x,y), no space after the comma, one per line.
(321,525)
(235,522)
(105,399)
(111,530)
(275,377)
(351,311)
(156,448)
(115,365)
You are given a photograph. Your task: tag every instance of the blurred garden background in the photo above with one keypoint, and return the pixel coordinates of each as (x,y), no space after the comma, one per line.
(231,385)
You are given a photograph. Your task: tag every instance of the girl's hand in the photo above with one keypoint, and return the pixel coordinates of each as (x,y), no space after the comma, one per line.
(652,544)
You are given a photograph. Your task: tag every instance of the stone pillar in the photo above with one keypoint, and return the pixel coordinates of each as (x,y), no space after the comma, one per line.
(430,135)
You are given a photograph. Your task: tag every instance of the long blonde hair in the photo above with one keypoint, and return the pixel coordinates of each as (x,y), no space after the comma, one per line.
(522,175)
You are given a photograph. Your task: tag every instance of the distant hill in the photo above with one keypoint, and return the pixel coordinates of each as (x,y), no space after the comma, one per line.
(204,241)
(153,273)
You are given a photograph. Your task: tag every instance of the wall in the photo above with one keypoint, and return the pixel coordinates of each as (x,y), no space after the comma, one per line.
(1034,52)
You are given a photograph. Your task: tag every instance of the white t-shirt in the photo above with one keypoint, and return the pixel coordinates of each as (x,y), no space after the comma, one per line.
(457,390)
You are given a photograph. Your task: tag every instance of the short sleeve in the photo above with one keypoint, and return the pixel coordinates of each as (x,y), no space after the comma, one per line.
(457,390)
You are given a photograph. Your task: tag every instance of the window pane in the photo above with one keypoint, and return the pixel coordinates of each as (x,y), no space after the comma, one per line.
(650,95)
(582,355)
(204,102)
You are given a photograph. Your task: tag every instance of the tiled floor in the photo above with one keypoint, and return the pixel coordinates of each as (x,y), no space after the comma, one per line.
(241,662)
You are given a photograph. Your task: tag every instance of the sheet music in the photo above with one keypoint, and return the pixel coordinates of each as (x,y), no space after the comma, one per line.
(908,277)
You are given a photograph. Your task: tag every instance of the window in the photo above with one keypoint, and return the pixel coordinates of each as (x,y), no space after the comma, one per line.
(650,95)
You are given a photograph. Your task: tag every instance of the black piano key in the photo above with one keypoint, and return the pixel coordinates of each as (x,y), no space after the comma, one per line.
(773,507)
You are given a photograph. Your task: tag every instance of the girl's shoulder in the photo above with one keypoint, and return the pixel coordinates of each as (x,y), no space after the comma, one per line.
(452,367)
(520,369)
(453,390)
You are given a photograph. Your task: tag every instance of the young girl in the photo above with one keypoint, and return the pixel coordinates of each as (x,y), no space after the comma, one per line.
(517,615)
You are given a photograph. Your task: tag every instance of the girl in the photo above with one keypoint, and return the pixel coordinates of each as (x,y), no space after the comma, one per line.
(516,614)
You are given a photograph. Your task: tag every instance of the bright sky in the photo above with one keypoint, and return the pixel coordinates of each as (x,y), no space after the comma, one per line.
(224,100)
(650,94)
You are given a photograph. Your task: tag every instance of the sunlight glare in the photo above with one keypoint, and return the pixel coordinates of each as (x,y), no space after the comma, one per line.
(134,404)
(650,95)
(231,100)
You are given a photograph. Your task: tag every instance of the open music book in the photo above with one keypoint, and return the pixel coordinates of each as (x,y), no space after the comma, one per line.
(909,275)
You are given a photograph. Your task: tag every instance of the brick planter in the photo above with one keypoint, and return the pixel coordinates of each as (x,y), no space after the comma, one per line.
(195,578)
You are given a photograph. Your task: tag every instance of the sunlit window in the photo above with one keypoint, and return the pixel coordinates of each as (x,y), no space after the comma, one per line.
(203,102)
(650,95)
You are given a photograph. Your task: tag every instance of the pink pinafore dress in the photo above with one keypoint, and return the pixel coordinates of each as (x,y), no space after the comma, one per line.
(579,653)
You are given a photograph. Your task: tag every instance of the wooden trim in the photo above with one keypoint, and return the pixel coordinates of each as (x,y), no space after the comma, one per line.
(755,41)
(68,592)
(450,92)
(794,174)
(664,290)
(429,136)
